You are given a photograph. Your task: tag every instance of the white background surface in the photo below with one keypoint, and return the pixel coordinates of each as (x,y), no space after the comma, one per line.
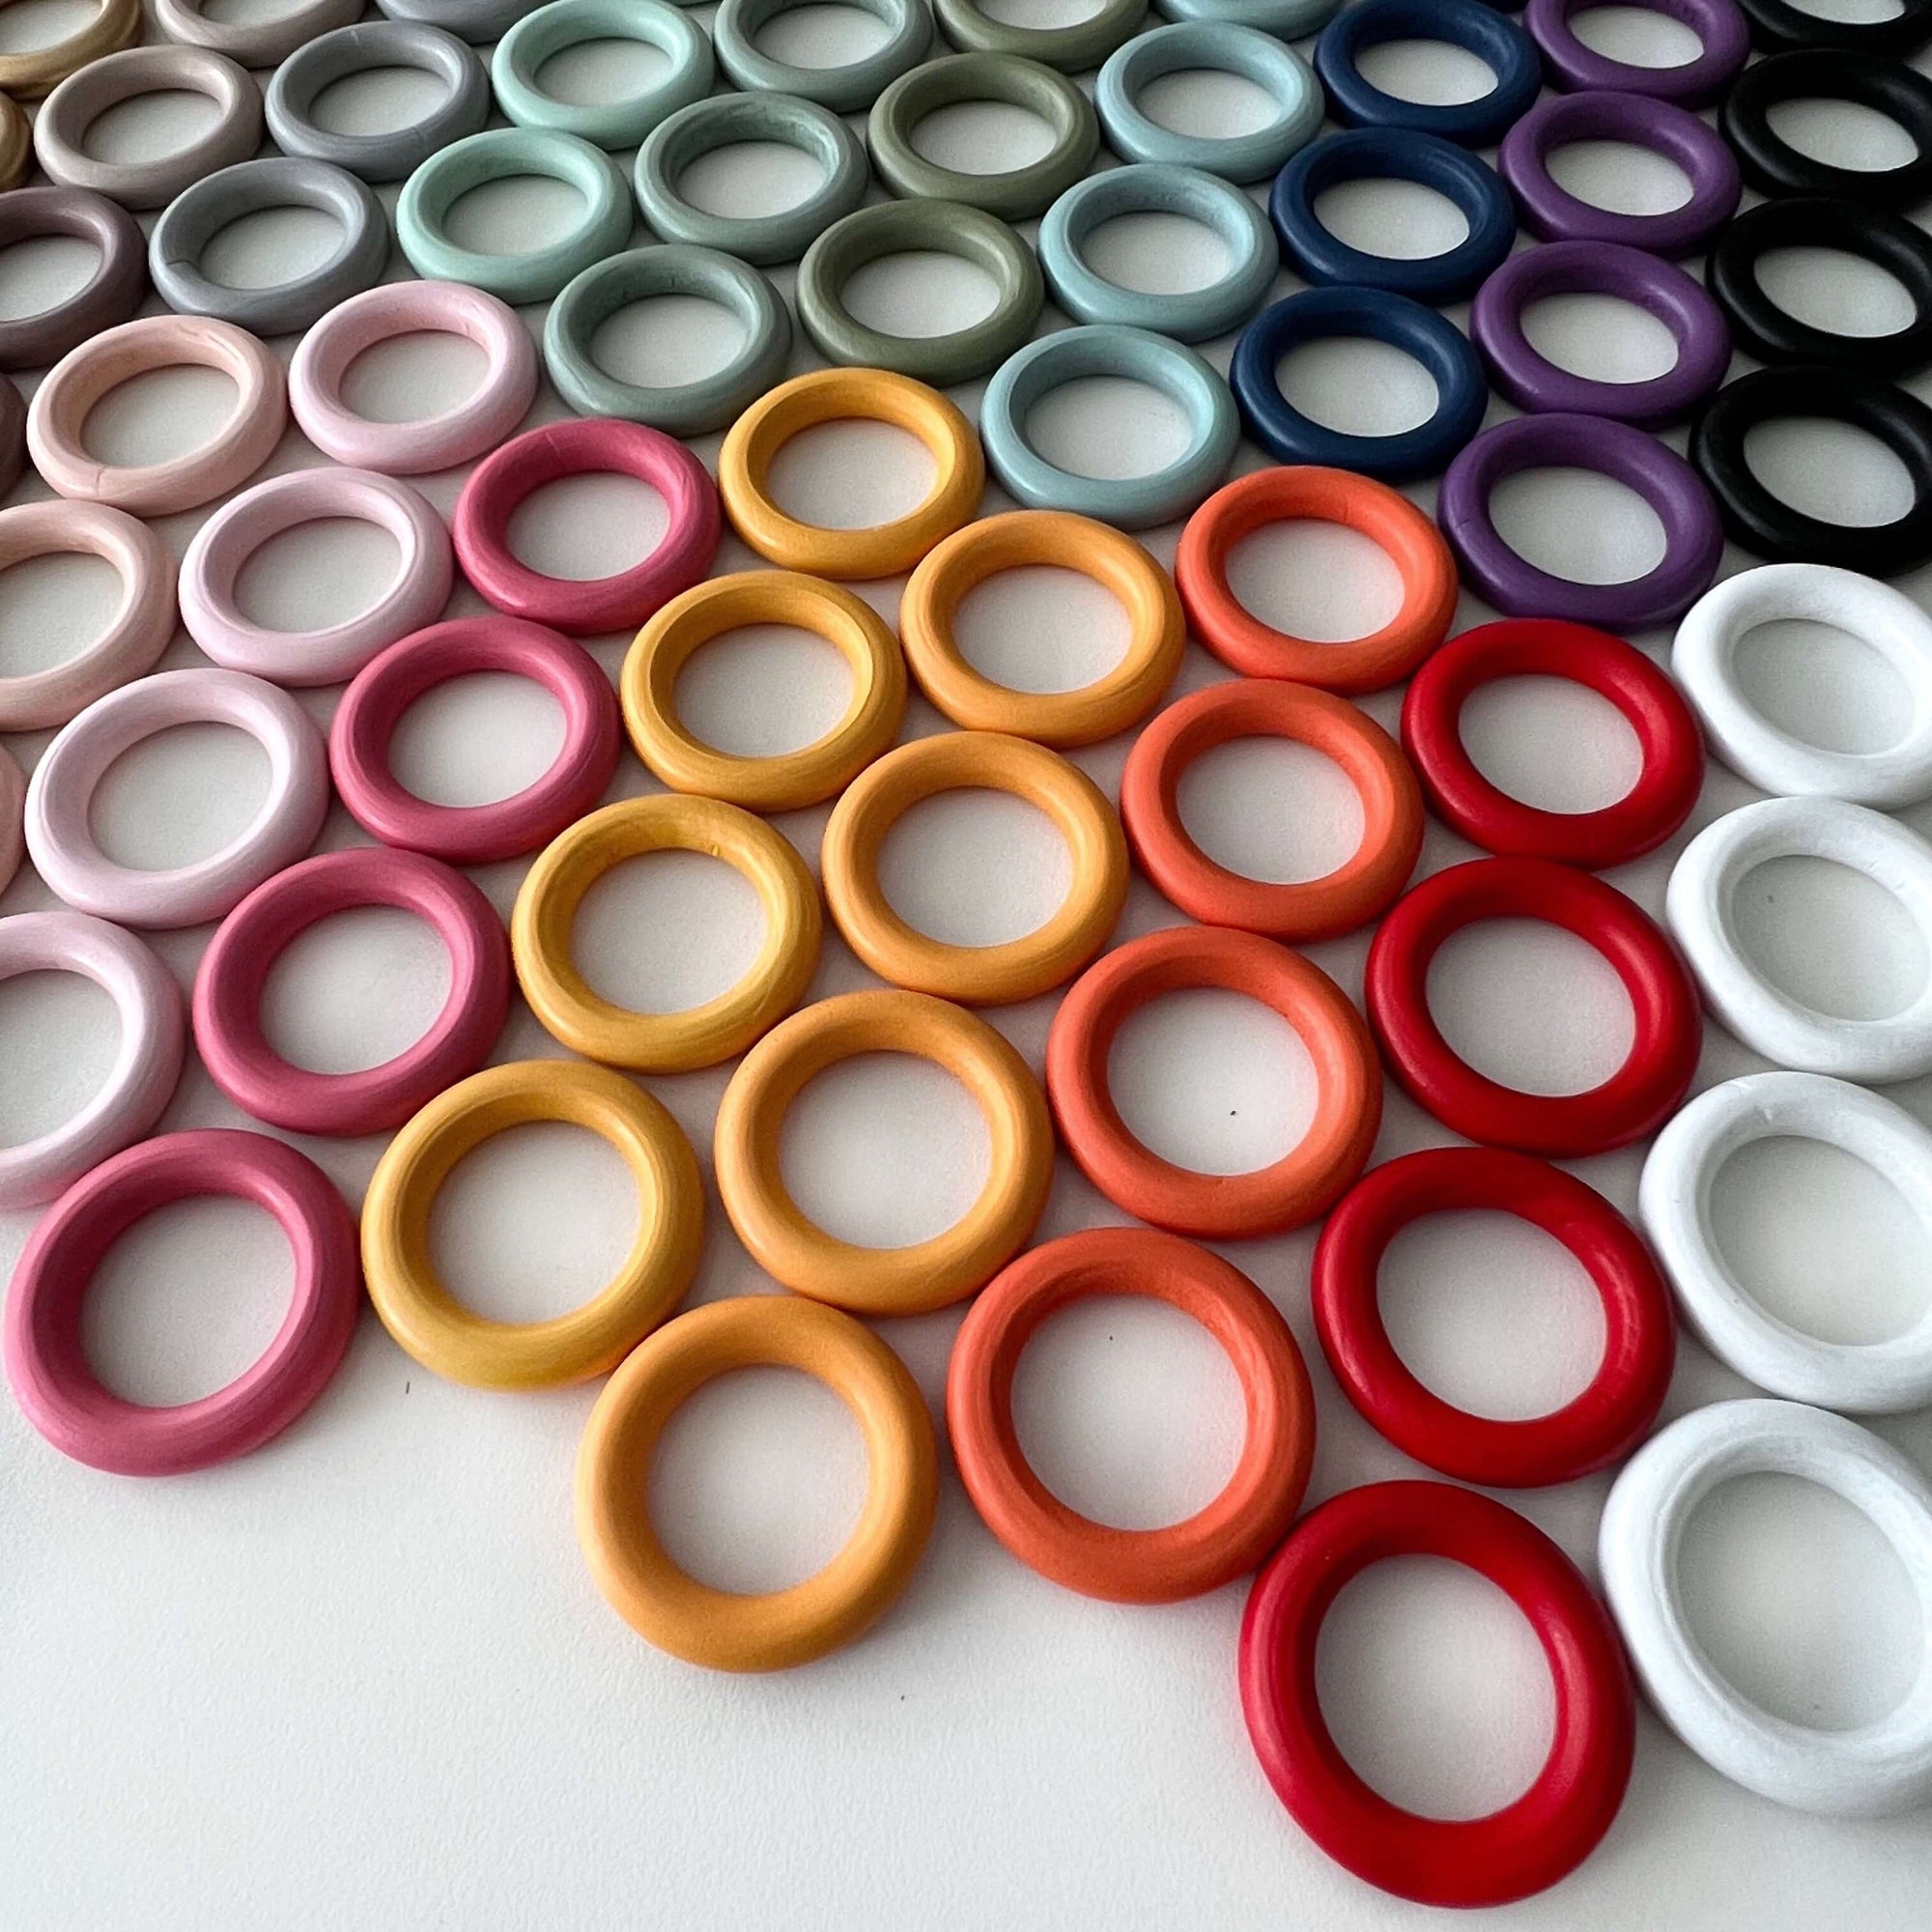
(361,1678)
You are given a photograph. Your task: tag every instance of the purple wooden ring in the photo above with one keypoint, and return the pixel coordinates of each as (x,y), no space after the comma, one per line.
(1694,539)
(1531,381)
(1722,32)
(1636,119)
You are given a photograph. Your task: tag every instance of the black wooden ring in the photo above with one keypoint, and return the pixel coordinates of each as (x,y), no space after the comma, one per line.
(1774,166)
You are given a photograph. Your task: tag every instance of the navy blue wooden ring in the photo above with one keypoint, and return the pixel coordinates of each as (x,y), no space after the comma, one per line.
(1420,333)
(1499,44)
(1393,154)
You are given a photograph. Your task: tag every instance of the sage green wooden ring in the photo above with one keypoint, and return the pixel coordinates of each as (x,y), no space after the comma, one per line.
(500,154)
(902,227)
(537,37)
(849,88)
(1071,49)
(1017,194)
(682,409)
(724,122)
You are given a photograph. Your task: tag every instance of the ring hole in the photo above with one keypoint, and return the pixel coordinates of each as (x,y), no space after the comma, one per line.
(1821,1240)
(1822,686)
(1322,582)
(60,1035)
(381,100)
(477,739)
(53,608)
(1435,1688)
(1042,16)
(1799,1603)
(1271,808)
(595,525)
(744,181)
(355,990)
(822,37)
(1841,292)
(1862,12)
(1833,940)
(1128,1411)
(975,867)
(318,573)
(851,474)
(179,797)
(1619,177)
(44,270)
(1601,338)
(149,128)
(763,691)
(414,377)
(1531,1006)
(1396,220)
(666,341)
(1207,105)
(919,293)
(159,415)
(1040,628)
(757,1480)
(30,26)
(186,1300)
(668,931)
(1212,1081)
(884,1115)
(515,215)
(1551,743)
(1834,471)
(982,137)
(1637,35)
(1154,253)
(495,1230)
(1577,525)
(603,72)
(1843,134)
(1357,386)
(1492,1314)
(1430,74)
(1108,428)
(270,247)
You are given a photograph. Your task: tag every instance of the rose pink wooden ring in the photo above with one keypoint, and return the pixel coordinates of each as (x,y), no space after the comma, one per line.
(136,635)
(224,544)
(12,806)
(239,958)
(57,418)
(577,448)
(47,1362)
(61,795)
(147,1063)
(475,835)
(481,421)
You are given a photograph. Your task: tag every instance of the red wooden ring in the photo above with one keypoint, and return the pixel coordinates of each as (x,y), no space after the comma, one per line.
(1601,1426)
(578,448)
(1215,1544)
(1667,732)
(1636,1099)
(1529,1844)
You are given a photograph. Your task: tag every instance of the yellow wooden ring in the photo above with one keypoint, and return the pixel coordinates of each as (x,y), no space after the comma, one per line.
(17,142)
(27,76)
(721,1629)
(1156,631)
(981,975)
(882,1281)
(678,1042)
(432,1325)
(792,780)
(838,395)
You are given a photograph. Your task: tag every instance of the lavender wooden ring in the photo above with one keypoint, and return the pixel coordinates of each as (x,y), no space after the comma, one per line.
(1533,383)
(60,134)
(12,434)
(136,635)
(1638,120)
(108,298)
(147,1062)
(224,544)
(12,810)
(1693,540)
(254,43)
(61,793)
(1724,45)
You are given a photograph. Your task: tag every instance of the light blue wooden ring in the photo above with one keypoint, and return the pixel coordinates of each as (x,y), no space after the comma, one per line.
(849,88)
(538,37)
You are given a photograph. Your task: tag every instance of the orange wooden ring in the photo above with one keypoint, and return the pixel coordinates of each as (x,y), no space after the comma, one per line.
(1356,892)
(1215,1544)
(1288,1193)
(1386,517)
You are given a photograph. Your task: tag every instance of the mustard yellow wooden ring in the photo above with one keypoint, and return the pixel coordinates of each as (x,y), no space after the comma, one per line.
(841,395)
(1156,631)
(429,1323)
(723,1630)
(792,780)
(981,975)
(38,72)
(16,142)
(883,1281)
(701,1035)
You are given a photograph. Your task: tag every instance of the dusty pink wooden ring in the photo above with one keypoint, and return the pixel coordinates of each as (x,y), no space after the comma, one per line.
(479,422)
(12,807)
(224,544)
(236,967)
(61,794)
(147,1063)
(58,414)
(46,1363)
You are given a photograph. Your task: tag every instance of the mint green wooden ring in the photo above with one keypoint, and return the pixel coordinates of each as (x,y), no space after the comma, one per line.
(849,88)
(537,37)
(1073,49)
